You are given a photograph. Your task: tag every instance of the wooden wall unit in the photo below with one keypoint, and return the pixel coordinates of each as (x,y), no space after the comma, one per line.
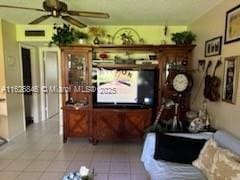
(81,119)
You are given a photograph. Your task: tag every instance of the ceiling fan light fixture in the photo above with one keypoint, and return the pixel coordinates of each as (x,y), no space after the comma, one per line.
(55,13)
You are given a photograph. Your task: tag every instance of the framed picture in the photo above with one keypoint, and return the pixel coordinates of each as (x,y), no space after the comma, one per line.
(213,47)
(232,28)
(230,80)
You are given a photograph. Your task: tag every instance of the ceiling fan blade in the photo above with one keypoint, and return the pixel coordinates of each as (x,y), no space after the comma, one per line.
(40,19)
(18,7)
(74,21)
(89,14)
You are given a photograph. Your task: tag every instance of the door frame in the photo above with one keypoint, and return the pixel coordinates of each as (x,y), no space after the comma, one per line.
(35,82)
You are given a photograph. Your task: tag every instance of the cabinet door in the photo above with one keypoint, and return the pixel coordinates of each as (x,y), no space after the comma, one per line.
(111,124)
(78,123)
(136,122)
(106,124)
(76,76)
(77,66)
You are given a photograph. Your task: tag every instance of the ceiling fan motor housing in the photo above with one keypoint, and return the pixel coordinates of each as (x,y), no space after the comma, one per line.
(56,9)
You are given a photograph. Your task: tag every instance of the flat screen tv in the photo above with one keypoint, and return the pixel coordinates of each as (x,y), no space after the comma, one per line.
(125,88)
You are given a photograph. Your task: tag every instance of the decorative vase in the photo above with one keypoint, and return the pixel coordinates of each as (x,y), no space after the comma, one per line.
(96,40)
(82,41)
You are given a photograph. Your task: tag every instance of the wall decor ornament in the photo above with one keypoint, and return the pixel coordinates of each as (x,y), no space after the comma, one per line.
(230,84)
(127,36)
(213,47)
(232,27)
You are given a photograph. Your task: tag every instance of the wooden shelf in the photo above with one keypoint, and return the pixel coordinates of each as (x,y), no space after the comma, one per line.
(72,108)
(135,47)
(127,66)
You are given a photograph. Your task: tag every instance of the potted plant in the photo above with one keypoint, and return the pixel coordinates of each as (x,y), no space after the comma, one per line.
(64,35)
(189,37)
(82,36)
(177,38)
(185,37)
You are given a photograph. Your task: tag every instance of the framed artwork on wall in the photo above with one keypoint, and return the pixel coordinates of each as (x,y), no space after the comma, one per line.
(213,47)
(230,79)
(232,27)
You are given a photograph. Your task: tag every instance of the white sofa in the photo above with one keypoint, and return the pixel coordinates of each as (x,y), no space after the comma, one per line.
(163,170)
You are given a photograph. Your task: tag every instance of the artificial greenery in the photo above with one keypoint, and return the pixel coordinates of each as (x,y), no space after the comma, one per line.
(81,35)
(64,35)
(185,37)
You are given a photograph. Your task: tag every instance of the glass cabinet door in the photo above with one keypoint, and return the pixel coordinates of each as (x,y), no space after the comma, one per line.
(77,69)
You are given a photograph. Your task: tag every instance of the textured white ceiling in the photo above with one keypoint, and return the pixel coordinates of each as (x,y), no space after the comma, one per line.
(122,12)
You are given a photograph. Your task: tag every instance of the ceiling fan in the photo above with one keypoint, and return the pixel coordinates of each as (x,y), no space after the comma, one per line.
(57,9)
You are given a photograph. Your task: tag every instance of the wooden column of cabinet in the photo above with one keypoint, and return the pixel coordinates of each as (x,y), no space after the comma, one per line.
(174,55)
(109,123)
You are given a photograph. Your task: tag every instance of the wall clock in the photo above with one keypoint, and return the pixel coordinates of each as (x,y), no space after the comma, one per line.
(182,82)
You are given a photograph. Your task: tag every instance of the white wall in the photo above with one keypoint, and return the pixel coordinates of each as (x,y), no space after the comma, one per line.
(13,78)
(225,115)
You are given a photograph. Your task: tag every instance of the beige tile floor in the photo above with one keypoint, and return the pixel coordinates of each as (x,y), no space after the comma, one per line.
(39,154)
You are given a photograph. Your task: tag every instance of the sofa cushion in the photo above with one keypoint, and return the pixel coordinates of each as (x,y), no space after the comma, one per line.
(205,159)
(177,149)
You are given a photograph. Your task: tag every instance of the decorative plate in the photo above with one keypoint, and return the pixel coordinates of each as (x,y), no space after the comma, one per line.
(126,36)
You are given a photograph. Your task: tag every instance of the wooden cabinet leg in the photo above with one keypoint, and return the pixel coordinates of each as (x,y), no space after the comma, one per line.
(93,141)
(64,139)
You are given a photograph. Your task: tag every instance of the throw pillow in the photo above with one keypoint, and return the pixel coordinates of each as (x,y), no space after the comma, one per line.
(177,149)
(205,159)
(218,163)
(226,165)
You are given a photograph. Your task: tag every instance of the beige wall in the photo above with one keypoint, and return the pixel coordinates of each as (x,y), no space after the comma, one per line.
(225,115)
(2,71)
(150,34)
(3,104)
(13,78)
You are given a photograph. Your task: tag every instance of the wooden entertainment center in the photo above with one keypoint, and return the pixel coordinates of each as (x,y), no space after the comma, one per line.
(81,118)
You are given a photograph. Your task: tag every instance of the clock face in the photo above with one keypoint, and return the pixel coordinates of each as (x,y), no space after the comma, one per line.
(180,82)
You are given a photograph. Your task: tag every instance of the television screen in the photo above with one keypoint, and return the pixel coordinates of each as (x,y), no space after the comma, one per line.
(125,87)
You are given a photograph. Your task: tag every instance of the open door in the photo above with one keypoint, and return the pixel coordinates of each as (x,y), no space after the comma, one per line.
(51,82)
(27,82)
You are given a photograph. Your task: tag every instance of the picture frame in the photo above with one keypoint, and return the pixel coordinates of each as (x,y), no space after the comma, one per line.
(232,27)
(213,47)
(230,79)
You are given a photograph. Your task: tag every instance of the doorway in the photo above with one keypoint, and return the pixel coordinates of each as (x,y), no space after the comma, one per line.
(50,66)
(27,83)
